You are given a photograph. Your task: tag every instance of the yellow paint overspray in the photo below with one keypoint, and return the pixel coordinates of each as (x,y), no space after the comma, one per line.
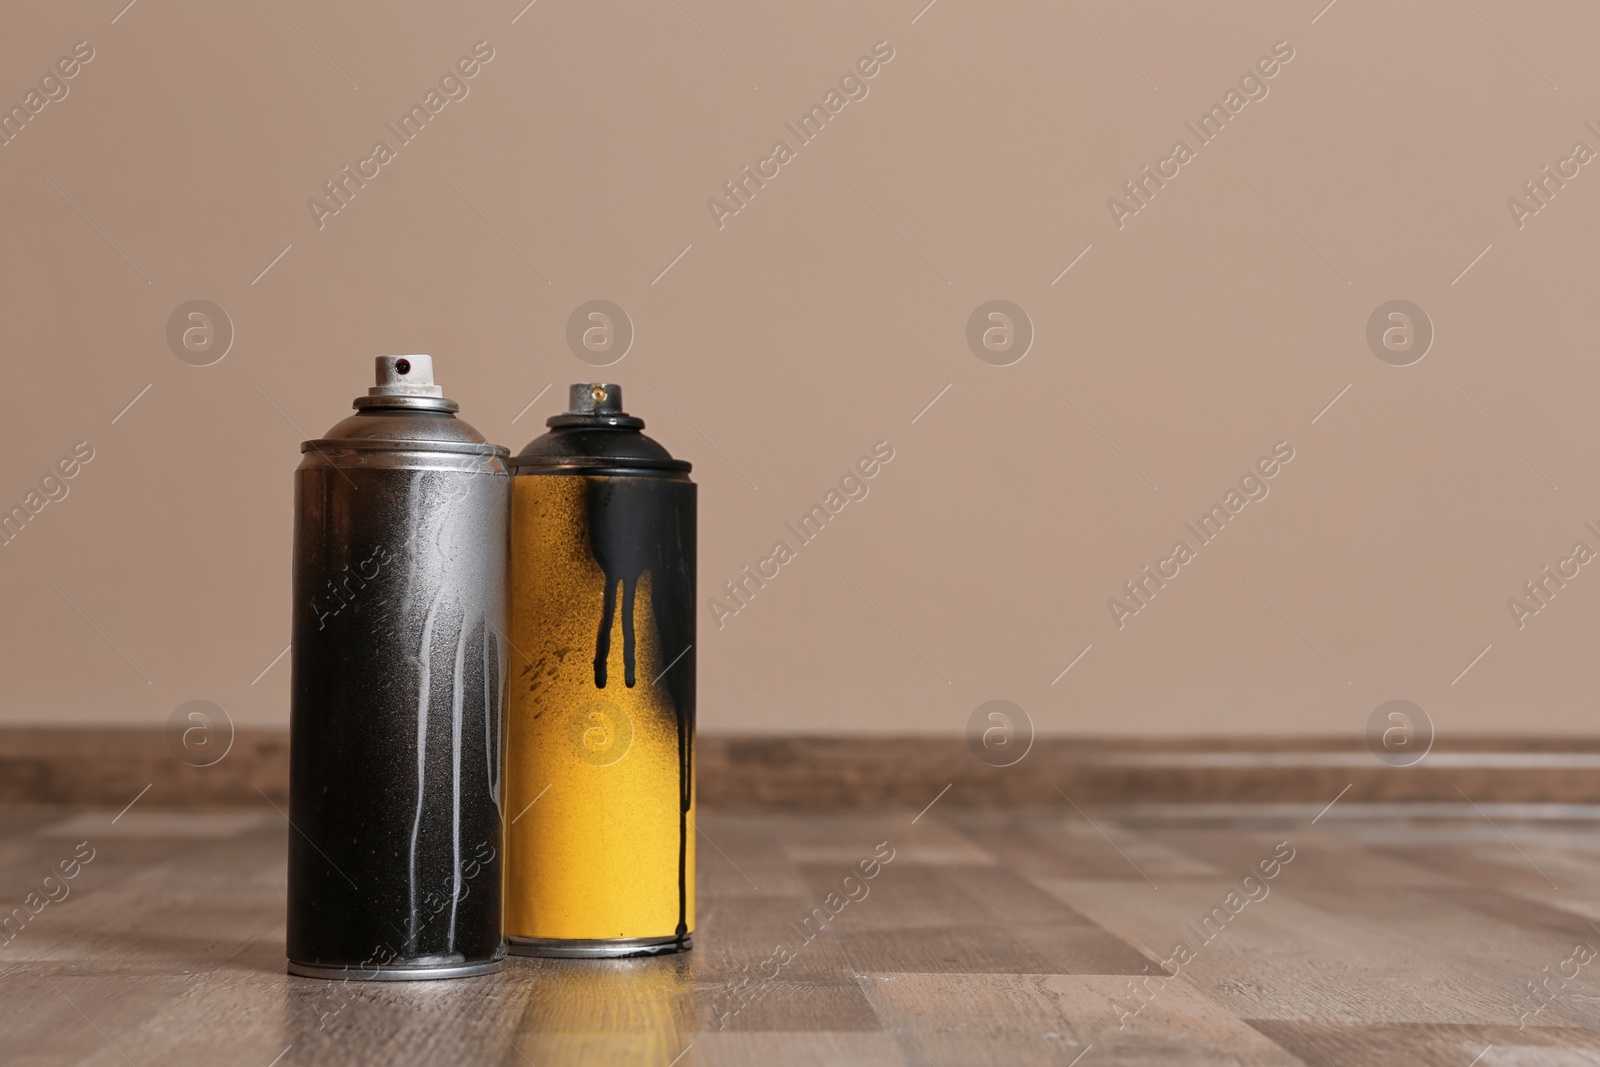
(593,777)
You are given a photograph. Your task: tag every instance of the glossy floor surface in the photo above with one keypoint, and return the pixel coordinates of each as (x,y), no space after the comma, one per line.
(1448,935)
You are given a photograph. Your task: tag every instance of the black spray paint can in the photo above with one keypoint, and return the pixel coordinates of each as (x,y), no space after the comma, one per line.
(396,751)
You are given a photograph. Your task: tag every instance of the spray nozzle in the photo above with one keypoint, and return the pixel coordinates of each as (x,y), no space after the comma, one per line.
(594,398)
(405,376)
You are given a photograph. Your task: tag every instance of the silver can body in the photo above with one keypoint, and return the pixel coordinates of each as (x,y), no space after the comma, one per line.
(396,752)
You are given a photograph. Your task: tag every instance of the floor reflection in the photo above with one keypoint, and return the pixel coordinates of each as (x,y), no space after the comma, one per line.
(603,1011)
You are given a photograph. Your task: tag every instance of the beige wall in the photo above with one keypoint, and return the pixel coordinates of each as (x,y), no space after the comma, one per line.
(822,318)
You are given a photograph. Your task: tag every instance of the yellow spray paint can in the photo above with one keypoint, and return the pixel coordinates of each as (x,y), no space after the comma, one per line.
(600,689)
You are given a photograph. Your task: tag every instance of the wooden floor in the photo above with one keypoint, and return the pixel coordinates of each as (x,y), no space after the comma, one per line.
(1390,936)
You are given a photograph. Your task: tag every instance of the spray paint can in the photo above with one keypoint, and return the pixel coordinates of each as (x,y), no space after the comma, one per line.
(600,695)
(396,716)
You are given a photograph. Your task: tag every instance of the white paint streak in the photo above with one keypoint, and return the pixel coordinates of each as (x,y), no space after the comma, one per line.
(457,699)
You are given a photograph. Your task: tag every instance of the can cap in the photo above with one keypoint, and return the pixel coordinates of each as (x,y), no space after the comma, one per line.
(595,435)
(400,418)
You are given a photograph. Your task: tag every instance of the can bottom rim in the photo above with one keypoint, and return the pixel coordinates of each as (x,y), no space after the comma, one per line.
(393,973)
(598,948)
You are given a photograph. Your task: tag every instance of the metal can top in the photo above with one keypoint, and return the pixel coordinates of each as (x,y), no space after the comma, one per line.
(595,436)
(404,413)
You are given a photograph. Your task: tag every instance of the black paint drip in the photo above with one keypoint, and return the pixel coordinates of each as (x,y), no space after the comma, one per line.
(639,525)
